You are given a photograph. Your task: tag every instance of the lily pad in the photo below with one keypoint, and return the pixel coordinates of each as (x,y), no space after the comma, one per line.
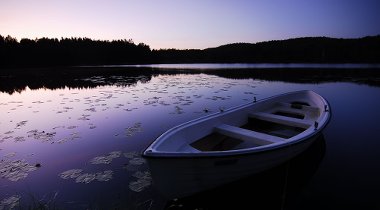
(101,160)
(104,176)
(137,161)
(8,132)
(107,159)
(19,139)
(130,131)
(20,124)
(144,180)
(139,185)
(42,135)
(85,178)
(71,174)
(15,170)
(142,175)
(130,154)
(114,154)
(9,155)
(10,202)
(130,167)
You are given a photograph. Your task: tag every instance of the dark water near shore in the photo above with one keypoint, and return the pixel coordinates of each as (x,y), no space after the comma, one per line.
(79,148)
(258,66)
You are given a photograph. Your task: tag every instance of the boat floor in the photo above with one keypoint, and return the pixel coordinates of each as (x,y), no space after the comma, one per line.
(274,129)
(280,124)
(217,142)
(220,142)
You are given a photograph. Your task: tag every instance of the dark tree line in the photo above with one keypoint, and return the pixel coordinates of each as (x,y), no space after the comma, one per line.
(70,51)
(299,50)
(84,51)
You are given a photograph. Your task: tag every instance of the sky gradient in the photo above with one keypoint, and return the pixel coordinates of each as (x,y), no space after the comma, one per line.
(185,24)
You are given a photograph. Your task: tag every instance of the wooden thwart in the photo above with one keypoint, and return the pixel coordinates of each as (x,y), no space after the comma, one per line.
(300,123)
(303,107)
(247,135)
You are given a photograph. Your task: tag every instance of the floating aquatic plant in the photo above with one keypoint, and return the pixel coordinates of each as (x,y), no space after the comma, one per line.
(130,131)
(130,167)
(178,110)
(5,138)
(42,135)
(92,126)
(144,180)
(137,161)
(9,155)
(37,102)
(119,105)
(72,136)
(84,117)
(56,127)
(19,139)
(106,159)
(130,154)
(91,109)
(8,132)
(104,176)
(20,124)
(101,160)
(139,185)
(15,170)
(115,154)
(86,177)
(10,203)
(142,175)
(65,109)
(71,174)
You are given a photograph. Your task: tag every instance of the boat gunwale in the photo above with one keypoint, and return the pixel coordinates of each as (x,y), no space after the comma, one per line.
(238,152)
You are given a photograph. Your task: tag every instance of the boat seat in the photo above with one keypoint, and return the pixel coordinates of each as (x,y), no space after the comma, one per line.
(308,114)
(300,123)
(291,110)
(303,107)
(247,135)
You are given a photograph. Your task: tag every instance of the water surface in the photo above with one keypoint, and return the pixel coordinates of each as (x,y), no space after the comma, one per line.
(79,148)
(258,66)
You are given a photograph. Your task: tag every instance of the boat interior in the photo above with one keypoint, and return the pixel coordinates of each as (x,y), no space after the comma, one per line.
(277,123)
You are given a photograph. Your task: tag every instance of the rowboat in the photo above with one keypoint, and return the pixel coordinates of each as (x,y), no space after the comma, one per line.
(231,144)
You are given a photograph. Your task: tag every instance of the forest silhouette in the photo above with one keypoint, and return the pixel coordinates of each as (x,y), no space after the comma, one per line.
(53,63)
(45,52)
(70,51)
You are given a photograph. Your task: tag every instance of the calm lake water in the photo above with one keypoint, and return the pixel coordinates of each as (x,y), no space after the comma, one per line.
(80,148)
(257,65)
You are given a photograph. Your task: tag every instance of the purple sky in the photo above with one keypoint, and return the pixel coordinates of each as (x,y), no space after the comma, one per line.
(189,23)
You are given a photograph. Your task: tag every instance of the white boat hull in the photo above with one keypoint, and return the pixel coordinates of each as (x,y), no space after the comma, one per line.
(180,177)
(180,168)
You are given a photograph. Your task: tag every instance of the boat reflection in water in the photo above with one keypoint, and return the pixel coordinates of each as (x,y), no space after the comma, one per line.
(276,188)
(224,147)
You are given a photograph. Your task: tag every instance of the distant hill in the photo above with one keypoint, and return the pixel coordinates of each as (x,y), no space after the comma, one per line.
(84,51)
(298,50)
